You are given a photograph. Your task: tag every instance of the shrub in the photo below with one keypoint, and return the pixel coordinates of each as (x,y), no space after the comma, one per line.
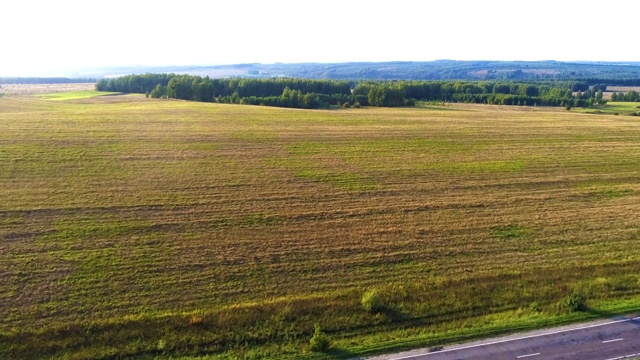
(319,341)
(371,301)
(357,105)
(575,302)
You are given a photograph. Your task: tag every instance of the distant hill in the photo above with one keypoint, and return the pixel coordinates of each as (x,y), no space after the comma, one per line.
(432,70)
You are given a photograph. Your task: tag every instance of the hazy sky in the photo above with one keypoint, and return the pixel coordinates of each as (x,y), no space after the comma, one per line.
(45,37)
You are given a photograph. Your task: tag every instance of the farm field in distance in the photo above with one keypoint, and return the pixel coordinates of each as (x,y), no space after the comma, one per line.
(132,227)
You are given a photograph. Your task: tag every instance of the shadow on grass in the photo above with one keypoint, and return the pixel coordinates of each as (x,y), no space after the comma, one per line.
(394,315)
(341,354)
(611,315)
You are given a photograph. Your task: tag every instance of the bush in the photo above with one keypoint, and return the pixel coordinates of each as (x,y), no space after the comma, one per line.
(319,341)
(575,302)
(371,301)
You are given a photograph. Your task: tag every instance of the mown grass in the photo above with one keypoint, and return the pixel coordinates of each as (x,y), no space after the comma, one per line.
(145,228)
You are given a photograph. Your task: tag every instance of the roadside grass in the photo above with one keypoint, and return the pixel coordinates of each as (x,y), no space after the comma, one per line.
(145,228)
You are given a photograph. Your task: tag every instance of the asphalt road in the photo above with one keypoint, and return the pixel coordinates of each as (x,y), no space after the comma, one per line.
(616,339)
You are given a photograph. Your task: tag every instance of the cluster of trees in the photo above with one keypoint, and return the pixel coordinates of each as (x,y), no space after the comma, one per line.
(632,96)
(312,94)
(295,99)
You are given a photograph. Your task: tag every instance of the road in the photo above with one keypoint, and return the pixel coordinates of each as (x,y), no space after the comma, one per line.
(611,340)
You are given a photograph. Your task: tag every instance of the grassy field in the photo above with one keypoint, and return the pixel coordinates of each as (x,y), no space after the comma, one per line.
(132,227)
(613,108)
(74,95)
(30,89)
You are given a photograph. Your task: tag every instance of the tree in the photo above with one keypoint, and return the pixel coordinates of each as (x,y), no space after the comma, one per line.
(385,95)
(158,92)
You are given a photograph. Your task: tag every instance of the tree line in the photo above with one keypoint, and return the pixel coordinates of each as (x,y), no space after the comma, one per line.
(312,94)
(282,92)
(632,96)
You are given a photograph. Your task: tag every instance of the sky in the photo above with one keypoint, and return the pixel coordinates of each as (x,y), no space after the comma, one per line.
(58,38)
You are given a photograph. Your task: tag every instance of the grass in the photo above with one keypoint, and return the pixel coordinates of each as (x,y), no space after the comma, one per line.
(74,95)
(509,231)
(146,228)
(613,108)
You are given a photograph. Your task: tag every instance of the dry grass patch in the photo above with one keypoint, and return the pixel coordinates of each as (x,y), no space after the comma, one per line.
(30,89)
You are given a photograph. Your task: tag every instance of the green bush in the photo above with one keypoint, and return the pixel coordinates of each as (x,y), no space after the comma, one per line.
(319,341)
(575,302)
(371,301)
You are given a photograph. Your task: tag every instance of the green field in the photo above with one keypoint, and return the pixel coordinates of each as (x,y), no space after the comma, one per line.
(613,108)
(132,227)
(74,95)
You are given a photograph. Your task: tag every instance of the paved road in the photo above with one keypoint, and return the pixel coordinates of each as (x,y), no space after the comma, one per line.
(618,339)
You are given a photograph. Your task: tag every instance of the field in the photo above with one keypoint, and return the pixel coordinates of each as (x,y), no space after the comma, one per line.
(29,89)
(613,108)
(161,228)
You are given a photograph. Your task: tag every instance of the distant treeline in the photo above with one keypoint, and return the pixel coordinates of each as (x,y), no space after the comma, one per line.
(281,92)
(484,92)
(632,96)
(306,93)
(611,82)
(44,80)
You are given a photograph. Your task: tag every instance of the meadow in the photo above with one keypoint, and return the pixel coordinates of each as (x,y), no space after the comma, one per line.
(613,108)
(134,227)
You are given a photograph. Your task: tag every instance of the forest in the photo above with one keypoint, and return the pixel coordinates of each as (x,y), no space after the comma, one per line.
(315,94)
